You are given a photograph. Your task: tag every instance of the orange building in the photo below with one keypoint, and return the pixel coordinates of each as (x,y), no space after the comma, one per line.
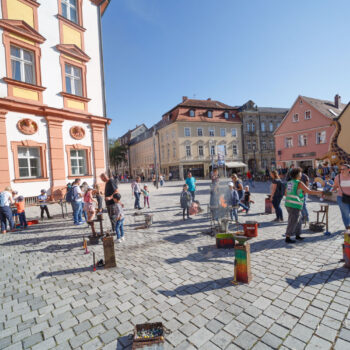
(52,106)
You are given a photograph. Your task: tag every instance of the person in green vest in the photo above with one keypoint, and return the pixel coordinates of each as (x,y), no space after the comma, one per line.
(294,204)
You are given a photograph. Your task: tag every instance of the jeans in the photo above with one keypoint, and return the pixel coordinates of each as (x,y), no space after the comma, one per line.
(234,214)
(22,219)
(83,212)
(305,212)
(192,195)
(243,206)
(119,228)
(77,211)
(110,213)
(345,212)
(137,200)
(184,211)
(251,183)
(45,209)
(6,214)
(276,202)
(294,222)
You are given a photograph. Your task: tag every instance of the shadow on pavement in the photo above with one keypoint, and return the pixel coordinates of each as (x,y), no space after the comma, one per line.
(37,240)
(54,248)
(64,272)
(125,342)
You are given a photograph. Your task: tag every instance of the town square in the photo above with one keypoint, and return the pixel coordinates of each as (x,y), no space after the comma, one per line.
(174,175)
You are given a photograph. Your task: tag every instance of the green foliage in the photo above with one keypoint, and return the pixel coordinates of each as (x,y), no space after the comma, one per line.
(117,153)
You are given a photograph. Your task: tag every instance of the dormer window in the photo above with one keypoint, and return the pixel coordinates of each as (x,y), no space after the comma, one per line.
(192,113)
(210,114)
(226,115)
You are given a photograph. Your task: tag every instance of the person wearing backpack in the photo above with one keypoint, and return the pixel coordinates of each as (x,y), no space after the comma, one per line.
(5,209)
(277,193)
(77,203)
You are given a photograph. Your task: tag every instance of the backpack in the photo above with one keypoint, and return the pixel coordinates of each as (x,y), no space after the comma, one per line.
(2,199)
(281,188)
(70,195)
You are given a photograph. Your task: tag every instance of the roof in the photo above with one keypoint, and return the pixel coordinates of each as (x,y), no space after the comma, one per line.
(272,110)
(205,104)
(327,108)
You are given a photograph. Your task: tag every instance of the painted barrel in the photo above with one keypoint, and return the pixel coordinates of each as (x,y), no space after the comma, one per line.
(250,229)
(269,209)
(225,240)
(346,249)
(242,256)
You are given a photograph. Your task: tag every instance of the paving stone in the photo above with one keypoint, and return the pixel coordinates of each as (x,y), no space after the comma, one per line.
(222,339)
(200,337)
(341,345)
(317,343)
(294,343)
(32,340)
(246,340)
(302,333)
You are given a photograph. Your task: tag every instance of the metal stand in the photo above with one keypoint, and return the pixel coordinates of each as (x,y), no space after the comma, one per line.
(324,212)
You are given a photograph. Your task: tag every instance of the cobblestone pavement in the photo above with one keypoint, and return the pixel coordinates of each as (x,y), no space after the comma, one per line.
(50,298)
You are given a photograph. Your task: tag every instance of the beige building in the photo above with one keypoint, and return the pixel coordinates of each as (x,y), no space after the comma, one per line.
(192,136)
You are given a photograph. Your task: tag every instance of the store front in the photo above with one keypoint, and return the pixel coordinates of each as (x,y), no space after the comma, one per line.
(197,170)
(175,173)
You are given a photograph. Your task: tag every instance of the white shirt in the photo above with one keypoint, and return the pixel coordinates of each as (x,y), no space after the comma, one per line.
(8,198)
(76,192)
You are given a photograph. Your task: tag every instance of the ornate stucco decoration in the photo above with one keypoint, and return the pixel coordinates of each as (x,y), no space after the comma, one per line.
(77,132)
(27,126)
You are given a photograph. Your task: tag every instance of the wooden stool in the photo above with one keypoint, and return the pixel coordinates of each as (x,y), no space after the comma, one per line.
(324,212)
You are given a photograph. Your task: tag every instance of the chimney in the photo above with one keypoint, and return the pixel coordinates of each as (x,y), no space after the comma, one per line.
(337,101)
(184,98)
(209,99)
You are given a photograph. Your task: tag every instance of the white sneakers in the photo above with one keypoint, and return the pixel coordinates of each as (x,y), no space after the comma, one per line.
(119,240)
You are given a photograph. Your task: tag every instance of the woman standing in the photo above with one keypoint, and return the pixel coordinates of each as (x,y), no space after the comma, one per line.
(294,204)
(342,184)
(277,193)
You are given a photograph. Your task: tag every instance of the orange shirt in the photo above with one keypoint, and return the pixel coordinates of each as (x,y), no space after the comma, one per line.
(20,207)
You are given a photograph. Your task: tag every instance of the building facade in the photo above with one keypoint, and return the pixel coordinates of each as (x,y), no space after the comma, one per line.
(259,125)
(191,137)
(304,136)
(52,106)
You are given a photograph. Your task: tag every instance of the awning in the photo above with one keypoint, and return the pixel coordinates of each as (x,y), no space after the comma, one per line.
(235,165)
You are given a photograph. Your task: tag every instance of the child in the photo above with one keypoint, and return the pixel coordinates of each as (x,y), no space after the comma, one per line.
(246,197)
(42,198)
(232,200)
(185,201)
(327,189)
(145,196)
(89,204)
(20,211)
(117,215)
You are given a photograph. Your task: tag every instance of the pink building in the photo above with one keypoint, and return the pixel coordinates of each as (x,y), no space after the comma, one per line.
(304,135)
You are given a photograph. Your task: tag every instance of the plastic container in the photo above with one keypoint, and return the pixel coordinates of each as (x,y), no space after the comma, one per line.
(251,229)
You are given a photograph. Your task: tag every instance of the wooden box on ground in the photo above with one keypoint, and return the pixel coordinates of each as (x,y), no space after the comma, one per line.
(108,249)
(242,255)
(152,343)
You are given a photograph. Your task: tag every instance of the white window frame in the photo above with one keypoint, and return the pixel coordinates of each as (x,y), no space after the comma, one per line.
(248,127)
(70,7)
(212,150)
(222,132)
(308,111)
(234,132)
(28,157)
(189,130)
(200,147)
(78,157)
(201,129)
(295,118)
(271,126)
(192,111)
(73,78)
(226,115)
(188,150)
(23,62)
(319,139)
(210,114)
(287,143)
(302,140)
(211,130)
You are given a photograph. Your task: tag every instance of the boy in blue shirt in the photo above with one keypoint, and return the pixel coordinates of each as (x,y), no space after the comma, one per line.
(191,183)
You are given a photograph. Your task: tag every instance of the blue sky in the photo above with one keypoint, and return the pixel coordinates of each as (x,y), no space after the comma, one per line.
(270,51)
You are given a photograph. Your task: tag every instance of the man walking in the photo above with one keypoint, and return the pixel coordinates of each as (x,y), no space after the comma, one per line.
(191,183)
(77,203)
(110,188)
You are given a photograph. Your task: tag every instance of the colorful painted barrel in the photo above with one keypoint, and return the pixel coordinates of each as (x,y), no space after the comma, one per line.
(225,240)
(251,229)
(269,209)
(242,255)
(346,249)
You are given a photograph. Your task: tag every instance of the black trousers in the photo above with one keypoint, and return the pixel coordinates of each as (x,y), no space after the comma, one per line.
(188,212)
(44,209)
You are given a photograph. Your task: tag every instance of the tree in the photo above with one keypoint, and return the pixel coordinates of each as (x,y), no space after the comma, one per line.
(117,154)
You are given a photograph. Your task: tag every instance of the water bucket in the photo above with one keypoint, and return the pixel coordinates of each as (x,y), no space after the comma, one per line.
(250,229)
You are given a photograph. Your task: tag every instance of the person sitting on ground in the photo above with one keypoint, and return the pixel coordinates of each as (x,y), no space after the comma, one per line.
(42,199)
(185,201)
(118,217)
(21,212)
(232,200)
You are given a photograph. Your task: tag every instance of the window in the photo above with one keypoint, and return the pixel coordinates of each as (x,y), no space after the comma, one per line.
(307,115)
(187,132)
(262,126)
(168,153)
(321,137)
(167,136)
(253,127)
(288,142)
(69,10)
(272,144)
(249,145)
(173,134)
(199,132)
(212,150)
(264,163)
(234,150)
(29,162)
(234,132)
(278,124)
(192,113)
(200,150)
(211,132)
(174,151)
(302,140)
(22,65)
(226,115)
(295,118)
(188,151)
(78,162)
(263,145)
(73,80)
(248,127)
(271,126)
(210,114)
(254,145)
(223,132)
